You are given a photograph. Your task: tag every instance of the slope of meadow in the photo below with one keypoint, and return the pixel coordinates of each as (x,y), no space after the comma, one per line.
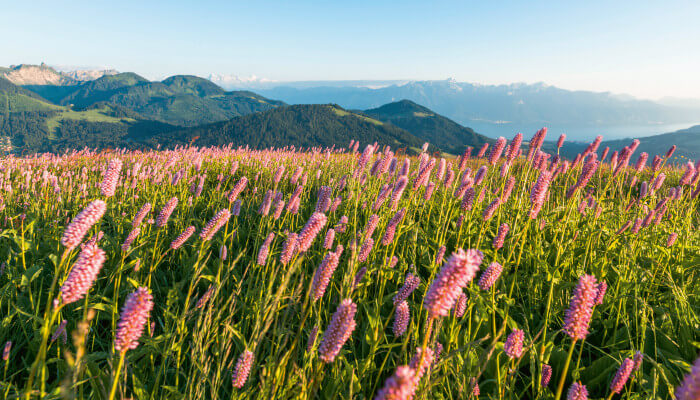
(224,272)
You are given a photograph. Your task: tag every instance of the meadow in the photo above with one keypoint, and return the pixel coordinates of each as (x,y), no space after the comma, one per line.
(350,273)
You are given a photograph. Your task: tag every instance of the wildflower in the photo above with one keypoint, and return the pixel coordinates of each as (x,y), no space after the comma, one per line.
(399,187)
(130,239)
(338,331)
(237,189)
(324,199)
(205,297)
(132,320)
(288,248)
(427,361)
(6,350)
(625,227)
(365,250)
(689,389)
(500,236)
(371,225)
(311,229)
(468,199)
(358,277)
(489,277)
(491,209)
(623,373)
(638,357)
(440,255)
(215,224)
(546,375)
(538,193)
(475,387)
(143,211)
(455,274)
(323,274)
(388,237)
(82,222)
(264,209)
(600,293)
(400,386)
(497,150)
(182,238)
(242,370)
(312,338)
(578,316)
(401,318)
(577,391)
(513,347)
(83,274)
(514,147)
(560,142)
(265,249)
(166,211)
(60,332)
(109,183)
(461,305)
(671,239)
(410,284)
(236,209)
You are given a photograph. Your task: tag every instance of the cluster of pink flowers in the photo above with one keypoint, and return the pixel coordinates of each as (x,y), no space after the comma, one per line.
(76,230)
(578,316)
(459,269)
(338,332)
(83,274)
(132,320)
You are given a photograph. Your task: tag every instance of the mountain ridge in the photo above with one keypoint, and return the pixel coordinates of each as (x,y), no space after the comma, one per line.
(429,126)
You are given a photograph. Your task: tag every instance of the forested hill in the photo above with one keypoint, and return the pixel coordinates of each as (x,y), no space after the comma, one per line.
(303,125)
(180,100)
(429,126)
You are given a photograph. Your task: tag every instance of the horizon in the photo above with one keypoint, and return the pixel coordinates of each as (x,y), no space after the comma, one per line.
(596,47)
(257,82)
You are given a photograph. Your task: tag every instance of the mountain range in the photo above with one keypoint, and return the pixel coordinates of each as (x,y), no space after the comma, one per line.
(53,111)
(504,110)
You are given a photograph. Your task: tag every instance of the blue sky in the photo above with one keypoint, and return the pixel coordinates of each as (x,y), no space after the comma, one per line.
(648,49)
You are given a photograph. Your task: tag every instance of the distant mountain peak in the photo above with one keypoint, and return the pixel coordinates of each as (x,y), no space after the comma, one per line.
(28,74)
(87,75)
(232,81)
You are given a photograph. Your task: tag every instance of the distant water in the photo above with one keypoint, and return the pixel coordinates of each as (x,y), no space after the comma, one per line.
(579,133)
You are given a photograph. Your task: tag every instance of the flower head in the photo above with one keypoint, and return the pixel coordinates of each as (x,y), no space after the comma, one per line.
(83,274)
(133,318)
(513,347)
(400,386)
(578,316)
(82,222)
(338,332)
(242,370)
(455,274)
(577,391)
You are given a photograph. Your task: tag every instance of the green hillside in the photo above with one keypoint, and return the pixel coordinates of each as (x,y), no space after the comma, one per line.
(180,100)
(303,125)
(686,140)
(16,99)
(33,124)
(429,126)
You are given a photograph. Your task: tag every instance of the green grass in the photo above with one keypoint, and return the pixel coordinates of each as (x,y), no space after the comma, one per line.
(344,113)
(93,115)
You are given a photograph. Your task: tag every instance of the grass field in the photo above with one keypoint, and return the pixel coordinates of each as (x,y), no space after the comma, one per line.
(202,273)
(92,115)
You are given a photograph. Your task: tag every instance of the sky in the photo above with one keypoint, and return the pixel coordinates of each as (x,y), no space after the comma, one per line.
(648,49)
